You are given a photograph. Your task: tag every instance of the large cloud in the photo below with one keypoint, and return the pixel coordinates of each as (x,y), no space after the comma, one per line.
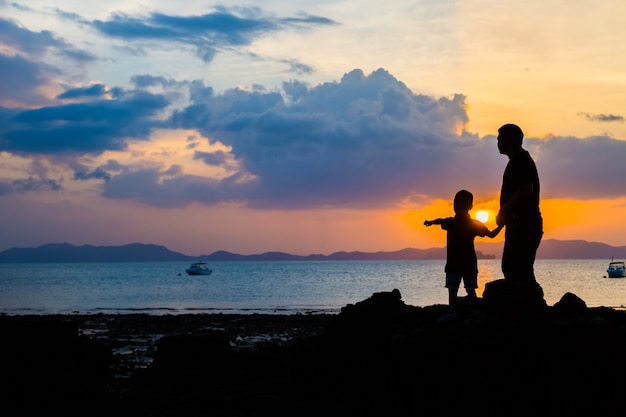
(365,141)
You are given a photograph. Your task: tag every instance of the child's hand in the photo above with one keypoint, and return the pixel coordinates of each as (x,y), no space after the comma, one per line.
(427,223)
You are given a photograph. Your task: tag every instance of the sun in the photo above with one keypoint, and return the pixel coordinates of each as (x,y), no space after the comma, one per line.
(482,216)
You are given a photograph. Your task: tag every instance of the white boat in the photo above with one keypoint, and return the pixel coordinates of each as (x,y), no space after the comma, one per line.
(198,268)
(616,269)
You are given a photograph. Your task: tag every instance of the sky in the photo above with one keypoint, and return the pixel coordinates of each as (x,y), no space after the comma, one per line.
(306,127)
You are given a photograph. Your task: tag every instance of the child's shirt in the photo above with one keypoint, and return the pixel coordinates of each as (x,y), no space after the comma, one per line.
(461,255)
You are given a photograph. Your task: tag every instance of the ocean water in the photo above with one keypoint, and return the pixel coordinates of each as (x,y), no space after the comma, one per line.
(268,287)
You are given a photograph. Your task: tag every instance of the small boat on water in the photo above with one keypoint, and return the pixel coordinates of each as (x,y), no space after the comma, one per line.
(616,269)
(198,268)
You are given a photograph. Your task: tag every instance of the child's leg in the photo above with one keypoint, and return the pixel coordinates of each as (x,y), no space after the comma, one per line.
(453,296)
(453,281)
(471,283)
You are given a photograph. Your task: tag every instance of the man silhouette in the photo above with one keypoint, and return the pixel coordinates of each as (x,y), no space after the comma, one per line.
(519,207)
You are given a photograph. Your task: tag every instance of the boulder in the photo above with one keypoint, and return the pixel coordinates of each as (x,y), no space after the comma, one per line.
(570,305)
(514,299)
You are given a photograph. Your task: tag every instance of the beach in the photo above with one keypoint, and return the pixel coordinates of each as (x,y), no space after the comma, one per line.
(379,356)
(104,364)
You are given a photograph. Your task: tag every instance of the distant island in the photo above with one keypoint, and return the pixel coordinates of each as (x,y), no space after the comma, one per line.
(140,252)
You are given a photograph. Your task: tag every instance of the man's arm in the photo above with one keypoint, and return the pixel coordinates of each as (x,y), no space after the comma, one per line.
(524,192)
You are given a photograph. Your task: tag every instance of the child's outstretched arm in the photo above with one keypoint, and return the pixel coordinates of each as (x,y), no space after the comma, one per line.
(431,222)
(495,232)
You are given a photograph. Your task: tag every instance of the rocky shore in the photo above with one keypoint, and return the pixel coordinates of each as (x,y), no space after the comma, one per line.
(506,354)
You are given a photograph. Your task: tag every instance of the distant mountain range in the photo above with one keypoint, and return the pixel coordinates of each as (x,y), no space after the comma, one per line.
(140,252)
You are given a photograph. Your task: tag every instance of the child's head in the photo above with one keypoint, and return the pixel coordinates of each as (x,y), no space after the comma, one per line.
(463,201)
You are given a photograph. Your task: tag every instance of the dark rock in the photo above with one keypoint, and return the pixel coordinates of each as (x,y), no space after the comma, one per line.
(372,320)
(570,305)
(380,303)
(191,351)
(514,299)
(47,366)
(182,362)
(484,360)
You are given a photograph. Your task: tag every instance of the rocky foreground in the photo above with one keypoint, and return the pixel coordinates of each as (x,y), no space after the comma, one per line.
(506,354)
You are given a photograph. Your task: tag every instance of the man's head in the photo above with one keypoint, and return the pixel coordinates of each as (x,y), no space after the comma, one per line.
(510,138)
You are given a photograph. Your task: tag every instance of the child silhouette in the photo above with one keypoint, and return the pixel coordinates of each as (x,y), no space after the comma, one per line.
(461,262)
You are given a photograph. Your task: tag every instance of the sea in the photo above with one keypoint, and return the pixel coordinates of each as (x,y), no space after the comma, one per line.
(269,287)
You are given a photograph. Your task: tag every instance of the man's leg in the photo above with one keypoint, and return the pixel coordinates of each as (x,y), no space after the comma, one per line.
(520,249)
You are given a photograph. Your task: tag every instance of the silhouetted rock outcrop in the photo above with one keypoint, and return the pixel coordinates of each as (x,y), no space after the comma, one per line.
(381,357)
(507,354)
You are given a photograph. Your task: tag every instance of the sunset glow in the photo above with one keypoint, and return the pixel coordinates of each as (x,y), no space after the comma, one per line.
(303,128)
(482,216)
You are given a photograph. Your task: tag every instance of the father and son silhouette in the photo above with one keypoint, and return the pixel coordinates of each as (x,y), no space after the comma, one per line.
(519,213)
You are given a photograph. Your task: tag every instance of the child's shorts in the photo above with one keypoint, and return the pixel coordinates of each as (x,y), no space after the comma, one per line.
(453,280)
